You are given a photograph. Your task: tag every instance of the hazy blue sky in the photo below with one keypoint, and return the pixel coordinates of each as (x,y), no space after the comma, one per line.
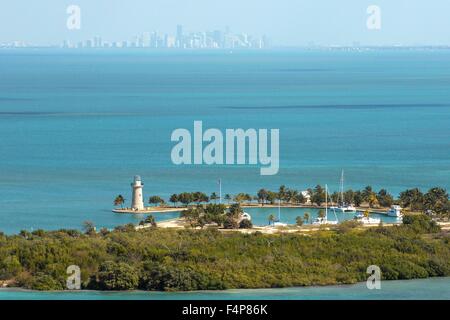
(291,22)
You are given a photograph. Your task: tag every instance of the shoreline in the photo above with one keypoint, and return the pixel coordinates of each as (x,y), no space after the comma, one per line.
(149,210)
(289,206)
(180,223)
(231,290)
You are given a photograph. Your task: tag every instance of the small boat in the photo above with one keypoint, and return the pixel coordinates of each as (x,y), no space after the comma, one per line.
(366,220)
(395,211)
(346,208)
(246,216)
(324,220)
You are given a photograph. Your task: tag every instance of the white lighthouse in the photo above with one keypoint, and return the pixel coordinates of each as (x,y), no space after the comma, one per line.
(137,202)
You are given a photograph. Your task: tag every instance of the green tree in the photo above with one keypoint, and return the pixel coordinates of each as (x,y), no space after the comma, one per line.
(384,198)
(282,193)
(245,224)
(413,199)
(299,221)
(436,199)
(192,216)
(230,223)
(199,197)
(291,195)
(367,193)
(156,200)
(228,198)
(185,198)
(214,197)
(299,198)
(262,196)
(335,197)
(322,213)
(372,200)
(117,276)
(349,197)
(357,198)
(88,227)
(271,219)
(174,199)
(272,197)
(150,220)
(119,201)
(306,217)
(318,196)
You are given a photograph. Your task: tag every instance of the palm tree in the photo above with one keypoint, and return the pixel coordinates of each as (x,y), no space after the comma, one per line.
(271,219)
(174,199)
(282,193)
(299,221)
(150,220)
(228,198)
(119,201)
(322,213)
(89,227)
(366,213)
(214,197)
(306,216)
(262,196)
(373,201)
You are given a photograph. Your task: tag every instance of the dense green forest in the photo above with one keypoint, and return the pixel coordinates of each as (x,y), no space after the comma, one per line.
(163,259)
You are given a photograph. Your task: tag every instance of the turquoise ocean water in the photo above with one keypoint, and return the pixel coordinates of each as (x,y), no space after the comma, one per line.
(422,289)
(76,126)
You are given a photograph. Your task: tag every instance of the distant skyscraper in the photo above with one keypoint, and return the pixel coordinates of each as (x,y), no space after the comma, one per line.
(218,38)
(170,41)
(146,39)
(179,36)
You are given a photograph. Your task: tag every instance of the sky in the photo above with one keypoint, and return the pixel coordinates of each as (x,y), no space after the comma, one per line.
(285,22)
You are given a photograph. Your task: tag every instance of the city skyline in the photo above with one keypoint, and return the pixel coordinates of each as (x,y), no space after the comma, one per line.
(287,22)
(180,39)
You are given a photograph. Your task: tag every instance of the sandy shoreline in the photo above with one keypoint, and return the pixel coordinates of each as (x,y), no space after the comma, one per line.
(149,210)
(180,223)
(175,209)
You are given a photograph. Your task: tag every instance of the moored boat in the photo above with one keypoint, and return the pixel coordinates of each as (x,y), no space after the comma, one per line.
(395,211)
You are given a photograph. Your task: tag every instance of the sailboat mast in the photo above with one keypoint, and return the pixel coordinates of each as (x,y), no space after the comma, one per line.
(220,191)
(279,209)
(342,187)
(326,201)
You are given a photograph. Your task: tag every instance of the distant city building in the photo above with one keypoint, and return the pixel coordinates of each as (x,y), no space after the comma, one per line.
(216,39)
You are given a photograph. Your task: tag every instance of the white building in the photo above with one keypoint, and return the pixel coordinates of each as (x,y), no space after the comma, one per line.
(137,202)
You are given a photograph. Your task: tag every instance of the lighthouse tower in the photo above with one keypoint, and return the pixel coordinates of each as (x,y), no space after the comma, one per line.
(137,202)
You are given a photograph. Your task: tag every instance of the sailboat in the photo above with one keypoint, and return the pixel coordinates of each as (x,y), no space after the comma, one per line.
(343,207)
(324,220)
(366,220)
(278,223)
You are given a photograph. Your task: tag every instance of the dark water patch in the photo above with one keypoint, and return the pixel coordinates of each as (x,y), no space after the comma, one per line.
(26,113)
(73,114)
(8,99)
(303,70)
(342,106)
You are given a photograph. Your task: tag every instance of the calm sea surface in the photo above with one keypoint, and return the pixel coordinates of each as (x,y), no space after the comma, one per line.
(423,289)
(76,126)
